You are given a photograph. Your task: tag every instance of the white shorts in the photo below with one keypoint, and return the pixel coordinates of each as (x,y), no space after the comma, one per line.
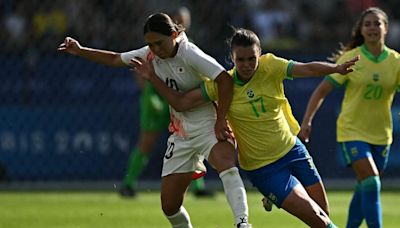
(187,155)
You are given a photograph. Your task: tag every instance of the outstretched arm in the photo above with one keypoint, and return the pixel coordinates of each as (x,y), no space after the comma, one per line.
(104,57)
(322,68)
(316,100)
(179,101)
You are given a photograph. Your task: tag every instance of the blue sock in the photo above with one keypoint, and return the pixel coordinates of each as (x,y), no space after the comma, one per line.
(355,216)
(371,203)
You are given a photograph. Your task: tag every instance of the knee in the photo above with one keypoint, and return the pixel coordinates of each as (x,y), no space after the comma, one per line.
(222,160)
(224,164)
(169,208)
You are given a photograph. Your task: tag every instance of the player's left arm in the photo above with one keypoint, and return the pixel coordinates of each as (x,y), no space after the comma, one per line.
(322,68)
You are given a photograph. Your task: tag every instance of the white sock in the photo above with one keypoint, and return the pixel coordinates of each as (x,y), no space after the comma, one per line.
(235,193)
(181,219)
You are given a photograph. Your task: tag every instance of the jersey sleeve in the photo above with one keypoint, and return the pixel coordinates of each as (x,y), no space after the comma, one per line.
(201,62)
(397,56)
(142,53)
(209,90)
(398,80)
(337,79)
(277,67)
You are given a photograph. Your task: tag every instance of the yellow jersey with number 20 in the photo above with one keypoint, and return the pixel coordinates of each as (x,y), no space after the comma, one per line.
(369,90)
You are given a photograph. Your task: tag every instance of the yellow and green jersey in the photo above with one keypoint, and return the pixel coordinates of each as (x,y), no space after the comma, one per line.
(260,115)
(369,90)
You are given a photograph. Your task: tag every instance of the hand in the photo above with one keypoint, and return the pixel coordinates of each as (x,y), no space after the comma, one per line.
(305,132)
(221,129)
(70,45)
(344,68)
(143,69)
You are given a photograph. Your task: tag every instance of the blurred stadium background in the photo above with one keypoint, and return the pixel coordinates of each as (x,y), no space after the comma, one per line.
(67,123)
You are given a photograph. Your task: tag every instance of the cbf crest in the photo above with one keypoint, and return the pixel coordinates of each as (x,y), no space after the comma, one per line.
(250,93)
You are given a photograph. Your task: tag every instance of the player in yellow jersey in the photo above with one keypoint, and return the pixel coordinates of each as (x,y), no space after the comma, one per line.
(364,126)
(275,160)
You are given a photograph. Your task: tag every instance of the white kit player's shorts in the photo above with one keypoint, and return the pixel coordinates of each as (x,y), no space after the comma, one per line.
(187,155)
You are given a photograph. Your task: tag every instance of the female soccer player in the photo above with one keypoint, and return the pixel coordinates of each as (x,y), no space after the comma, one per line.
(275,160)
(364,126)
(182,65)
(154,119)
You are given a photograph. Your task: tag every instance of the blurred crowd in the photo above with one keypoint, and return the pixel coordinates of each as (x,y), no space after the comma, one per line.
(293,25)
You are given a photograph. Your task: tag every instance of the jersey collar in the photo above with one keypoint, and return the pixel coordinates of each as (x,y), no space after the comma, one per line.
(236,79)
(371,57)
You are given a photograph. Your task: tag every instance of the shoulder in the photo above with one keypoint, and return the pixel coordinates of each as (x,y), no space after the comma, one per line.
(393,53)
(349,54)
(187,47)
(143,52)
(266,58)
(272,61)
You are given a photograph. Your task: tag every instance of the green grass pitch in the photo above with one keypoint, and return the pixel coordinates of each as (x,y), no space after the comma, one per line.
(107,209)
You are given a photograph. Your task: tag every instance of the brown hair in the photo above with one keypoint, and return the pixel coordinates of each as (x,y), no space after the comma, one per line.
(244,38)
(161,23)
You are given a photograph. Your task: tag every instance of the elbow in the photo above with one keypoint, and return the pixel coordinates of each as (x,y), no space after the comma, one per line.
(117,61)
(180,106)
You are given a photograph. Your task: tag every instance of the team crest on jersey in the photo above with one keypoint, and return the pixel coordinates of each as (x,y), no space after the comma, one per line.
(180,70)
(250,93)
(375,77)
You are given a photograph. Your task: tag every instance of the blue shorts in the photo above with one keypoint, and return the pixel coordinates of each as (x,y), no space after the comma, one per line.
(356,150)
(276,180)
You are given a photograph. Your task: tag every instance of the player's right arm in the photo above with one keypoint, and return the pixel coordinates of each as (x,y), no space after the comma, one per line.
(179,101)
(110,58)
(315,102)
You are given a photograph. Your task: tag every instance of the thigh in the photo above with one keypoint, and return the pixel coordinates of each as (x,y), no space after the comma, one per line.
(173,188)
(273,184)
(204,143)
(359,156)
(303,168)
(318,194)
(381,156)
(222,156)
(180,157)
(302,165)
(299,204)
(355,150)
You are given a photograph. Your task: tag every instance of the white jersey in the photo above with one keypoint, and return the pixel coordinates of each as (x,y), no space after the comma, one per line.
(185,72)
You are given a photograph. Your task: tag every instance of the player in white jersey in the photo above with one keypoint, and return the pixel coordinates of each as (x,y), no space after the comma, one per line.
(197,134)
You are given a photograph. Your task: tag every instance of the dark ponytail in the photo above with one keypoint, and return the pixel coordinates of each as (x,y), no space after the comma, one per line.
(161,23)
